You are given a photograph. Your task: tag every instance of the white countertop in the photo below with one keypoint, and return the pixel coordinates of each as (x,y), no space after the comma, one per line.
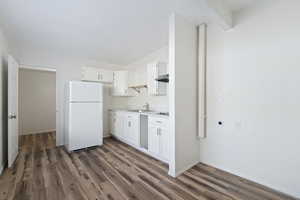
(149,113)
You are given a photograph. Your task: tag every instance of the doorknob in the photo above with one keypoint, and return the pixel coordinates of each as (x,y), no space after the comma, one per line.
(12,116)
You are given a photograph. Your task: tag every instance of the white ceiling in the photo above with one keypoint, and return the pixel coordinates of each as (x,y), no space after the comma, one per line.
(115,31)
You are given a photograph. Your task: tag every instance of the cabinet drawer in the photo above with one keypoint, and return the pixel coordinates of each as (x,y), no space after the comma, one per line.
(132,115)
(158,121)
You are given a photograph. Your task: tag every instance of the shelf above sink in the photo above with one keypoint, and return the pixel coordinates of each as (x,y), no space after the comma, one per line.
(138,88)
(141,111)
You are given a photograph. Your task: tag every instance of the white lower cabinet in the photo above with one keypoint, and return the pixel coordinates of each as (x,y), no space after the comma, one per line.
(132,128)
(153,140)
(112,122)
(119,125)
(164,143)
(126,127)
(158,137)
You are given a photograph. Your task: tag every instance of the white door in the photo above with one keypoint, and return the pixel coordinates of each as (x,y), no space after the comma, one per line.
(13,135)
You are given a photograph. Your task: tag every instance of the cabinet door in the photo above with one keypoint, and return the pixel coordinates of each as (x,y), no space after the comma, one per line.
(127,129)
(164,143)
(89,74)
(133,130)
(112,121)
(156,88)
(97,75)
(105,76)
(114,90)
(153,140)
(119,128)
(151,76)
(136,130)
(120,84)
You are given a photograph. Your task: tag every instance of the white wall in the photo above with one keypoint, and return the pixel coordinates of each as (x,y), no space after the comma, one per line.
(253,87)
(37,101)
(138,75)
(66,70)
(3,101)
(183,95)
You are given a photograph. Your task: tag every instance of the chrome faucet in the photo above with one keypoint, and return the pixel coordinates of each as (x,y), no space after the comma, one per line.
(146,106)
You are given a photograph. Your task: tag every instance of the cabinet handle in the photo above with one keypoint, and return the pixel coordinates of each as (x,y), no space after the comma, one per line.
(157,132)
(158,121)
(129,124)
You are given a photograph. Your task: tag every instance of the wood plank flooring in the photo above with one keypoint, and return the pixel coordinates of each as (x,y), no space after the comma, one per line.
(115,171)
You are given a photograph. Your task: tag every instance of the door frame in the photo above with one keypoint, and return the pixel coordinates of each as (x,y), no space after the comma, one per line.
(48,69)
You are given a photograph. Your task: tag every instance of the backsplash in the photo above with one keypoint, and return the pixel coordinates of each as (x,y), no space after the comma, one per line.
(157,103)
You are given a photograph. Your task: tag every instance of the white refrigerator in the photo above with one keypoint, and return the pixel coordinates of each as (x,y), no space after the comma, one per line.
(84,115)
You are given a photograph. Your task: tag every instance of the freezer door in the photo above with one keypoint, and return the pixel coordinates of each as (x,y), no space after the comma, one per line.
(80,91)
(85,125)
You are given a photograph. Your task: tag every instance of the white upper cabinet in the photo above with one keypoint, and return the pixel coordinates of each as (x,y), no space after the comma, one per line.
(156,88)
(96,75)
(105,76)
(120,84)
(138,77)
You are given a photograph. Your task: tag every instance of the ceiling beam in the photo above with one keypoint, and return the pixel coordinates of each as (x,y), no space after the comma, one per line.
(221,12)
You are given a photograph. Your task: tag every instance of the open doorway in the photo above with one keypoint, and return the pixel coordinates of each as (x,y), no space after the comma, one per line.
(37,108)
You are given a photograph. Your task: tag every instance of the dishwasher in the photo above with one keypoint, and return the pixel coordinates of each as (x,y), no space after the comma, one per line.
(144,131)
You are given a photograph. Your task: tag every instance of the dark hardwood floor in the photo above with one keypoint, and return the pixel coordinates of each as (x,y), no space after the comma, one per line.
(115,171)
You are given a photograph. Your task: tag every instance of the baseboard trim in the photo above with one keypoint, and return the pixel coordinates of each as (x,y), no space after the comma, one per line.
(184,169)
(251,180)
(38,132)
(107,136)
